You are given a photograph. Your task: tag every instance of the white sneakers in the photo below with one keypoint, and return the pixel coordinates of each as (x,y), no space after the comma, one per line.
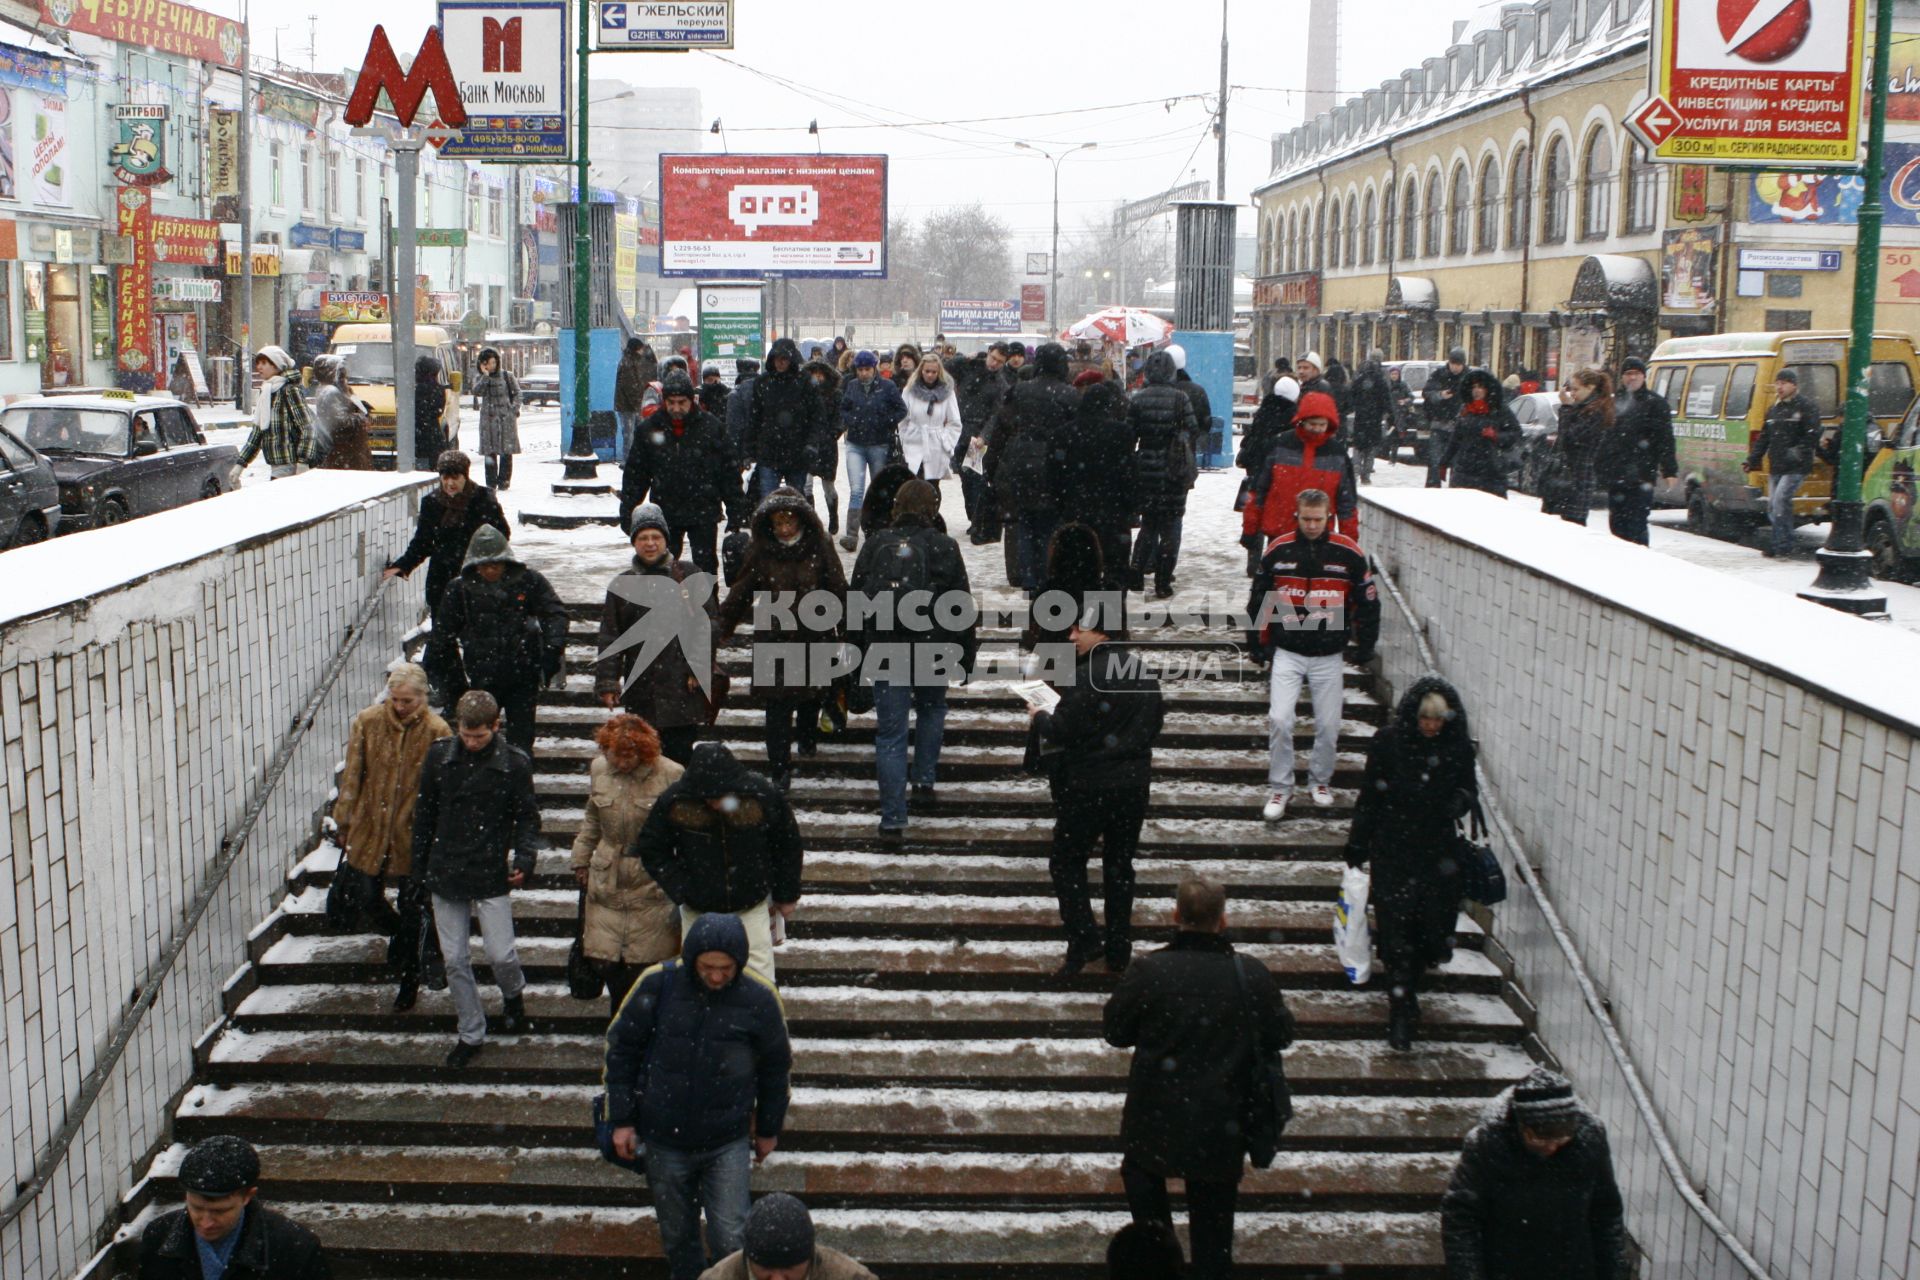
(1276,807)
(1322,795)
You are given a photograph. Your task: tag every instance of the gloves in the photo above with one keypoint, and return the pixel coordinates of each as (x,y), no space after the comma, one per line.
(1356,858)
(552,661)
(1362,657)
(1460,803)
(1253,542)
(1489,433)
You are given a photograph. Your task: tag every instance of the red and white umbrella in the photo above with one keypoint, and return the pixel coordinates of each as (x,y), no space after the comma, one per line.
(1129,326)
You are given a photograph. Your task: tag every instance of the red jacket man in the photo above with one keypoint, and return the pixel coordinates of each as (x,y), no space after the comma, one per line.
(1308,457)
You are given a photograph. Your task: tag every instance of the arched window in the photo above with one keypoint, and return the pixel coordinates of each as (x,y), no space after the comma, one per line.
(1460,212)
(1642,183)
(1410,218)
(1436,216)
(1333,233)
(1596,186)
(1293,240)
(1520,200)
(1368,228)
(1310,241)
(1388,203)
(1487,235)
(1351,256)
(1554,176)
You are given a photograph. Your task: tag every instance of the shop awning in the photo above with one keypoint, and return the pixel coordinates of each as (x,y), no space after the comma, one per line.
(1412,293)
(1614,283)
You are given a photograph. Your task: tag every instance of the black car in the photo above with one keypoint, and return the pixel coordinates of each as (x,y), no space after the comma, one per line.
(29,494)
(118,455)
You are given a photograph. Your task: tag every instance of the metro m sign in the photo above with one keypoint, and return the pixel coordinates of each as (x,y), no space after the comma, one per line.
(405,89)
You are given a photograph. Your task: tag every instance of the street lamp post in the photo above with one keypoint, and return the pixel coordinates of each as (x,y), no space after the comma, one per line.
(1053,258)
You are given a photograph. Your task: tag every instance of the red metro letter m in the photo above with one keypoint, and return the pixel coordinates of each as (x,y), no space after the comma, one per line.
(500,46)
(406,89)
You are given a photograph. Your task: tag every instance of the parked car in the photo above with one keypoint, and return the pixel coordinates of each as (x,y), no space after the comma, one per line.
(1247,388)
(117,455)
(541,385)
(29,494)
(1538,413)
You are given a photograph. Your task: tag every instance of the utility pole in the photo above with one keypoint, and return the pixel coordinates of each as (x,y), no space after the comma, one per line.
(243,343)
(1844,582)
(1220,121)
(581,462)
(1053,258)
(406,159)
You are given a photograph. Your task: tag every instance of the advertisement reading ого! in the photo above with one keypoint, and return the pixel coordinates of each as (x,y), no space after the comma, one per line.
(750,216)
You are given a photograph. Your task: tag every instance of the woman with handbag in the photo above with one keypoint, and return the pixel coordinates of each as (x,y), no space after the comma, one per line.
(1419,783)
(373,817)
(627,924)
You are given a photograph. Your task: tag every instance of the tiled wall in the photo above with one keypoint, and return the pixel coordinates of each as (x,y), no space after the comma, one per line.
(128,750)
(1725,844)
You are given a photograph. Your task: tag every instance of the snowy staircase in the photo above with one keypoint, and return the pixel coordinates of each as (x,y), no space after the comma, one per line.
(955,1110)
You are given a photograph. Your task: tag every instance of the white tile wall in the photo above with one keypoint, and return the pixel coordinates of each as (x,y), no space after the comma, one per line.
(1726,846)
(127,758)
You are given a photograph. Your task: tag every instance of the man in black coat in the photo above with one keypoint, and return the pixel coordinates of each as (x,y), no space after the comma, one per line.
(450,514)
(1534,1193)
(1022,462)
(983,383)
(1201,1020)
(1440,401)
(1371,397)
(224,1227)
(1097,460)
(723,839)
(1195,393)
(784,420)
(668,694)
(1161,417)
(1096,747)
(1636,452)
(1786,444)
(476,804)
(681,457)
(508,627)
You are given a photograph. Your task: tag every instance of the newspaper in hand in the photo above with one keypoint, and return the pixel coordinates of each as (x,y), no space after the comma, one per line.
(1037,694)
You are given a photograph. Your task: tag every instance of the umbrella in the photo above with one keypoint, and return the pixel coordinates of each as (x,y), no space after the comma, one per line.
(1129,326)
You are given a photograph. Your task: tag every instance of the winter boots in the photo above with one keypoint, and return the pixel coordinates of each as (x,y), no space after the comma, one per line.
(1403,1017)
(850,540)
(515,1023)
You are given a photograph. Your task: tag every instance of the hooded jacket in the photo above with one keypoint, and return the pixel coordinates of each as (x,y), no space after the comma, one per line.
(511,632)
(784,420)
(637,369)
(1299,462)
(1101,735)
(1024,452)
(1098,485)
(444,531)
(810,564)
(1195,1038)
(902,353)
(727,859)
(692,1069)
(659,695)
(1511,1215)
(474,806)
(825,380)
(912,550)
(871,409)
(686,466)
(1162,420)
(1482,433)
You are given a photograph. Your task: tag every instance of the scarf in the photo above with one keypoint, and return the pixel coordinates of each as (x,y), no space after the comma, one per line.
(931,394)
(1479,407)
(454,510)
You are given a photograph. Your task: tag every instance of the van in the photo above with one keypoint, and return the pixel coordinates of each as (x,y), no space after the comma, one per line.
(1720,388)
(368,351)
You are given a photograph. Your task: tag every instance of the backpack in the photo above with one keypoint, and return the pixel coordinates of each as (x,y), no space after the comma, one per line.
(901,566)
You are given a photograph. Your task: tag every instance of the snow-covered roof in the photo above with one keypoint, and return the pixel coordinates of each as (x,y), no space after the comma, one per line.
(1610,281)
(1530,45)
(1412,293)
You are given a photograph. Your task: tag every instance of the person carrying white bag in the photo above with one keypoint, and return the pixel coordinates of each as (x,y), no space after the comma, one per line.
(1351,937)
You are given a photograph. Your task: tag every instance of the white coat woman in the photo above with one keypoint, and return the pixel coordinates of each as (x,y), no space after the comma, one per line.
(932,426)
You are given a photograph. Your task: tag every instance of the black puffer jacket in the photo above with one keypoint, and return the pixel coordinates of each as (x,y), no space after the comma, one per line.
(665,695)
(1483,431)
(270,1247)
(1511,1215)
(1023,454)
(1194,1038)
(686,466)
(1101,736)
(826,383)
(474,806)
(1639,448)
(1162,418)
(725,859)
(885,560)
(512,632)
(1273,419)
(1372,402)
(1097,484)
(444,529)
(783,416)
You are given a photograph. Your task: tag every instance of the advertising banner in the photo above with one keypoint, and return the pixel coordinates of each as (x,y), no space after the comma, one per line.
(1755,81)
(158,24)
(223,152)
(278,102)
(133,323)
(626,258)
(731,326)
(1903,76)
(23,69)
(193,241)
(960,315)
(1834,200)
(44,117)
(664,26)
(1690,269)
(509,58)
(337,307)
(139,157)
(801,215)
(1033,304)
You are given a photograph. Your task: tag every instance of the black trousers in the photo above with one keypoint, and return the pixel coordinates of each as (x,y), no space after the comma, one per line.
(1116,543)
(782,714)
(1110,818)
(1437,449)
(1156,548)
(517,703)
(677,744)
(499,470)
(704,539)
(1628,506)
(1210,1207)
(983,513)
(620,979)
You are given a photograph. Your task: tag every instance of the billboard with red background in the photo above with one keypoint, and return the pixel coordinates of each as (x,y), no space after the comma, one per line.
(750,216)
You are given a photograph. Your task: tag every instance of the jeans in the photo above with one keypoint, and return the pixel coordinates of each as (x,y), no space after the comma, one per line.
(1210,1208)
(703,537)
(1780,509)
(1110,817)
(499,470)
(890,705)
(1034,531)
(685,1182)
(452,920)
(1157,547)
(1325,678)
(1437,449)
(766,479)
(290,469)
(1628,506)
(863,462)
(758,920)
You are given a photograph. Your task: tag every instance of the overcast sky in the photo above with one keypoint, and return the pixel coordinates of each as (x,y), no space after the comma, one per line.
(1039,71)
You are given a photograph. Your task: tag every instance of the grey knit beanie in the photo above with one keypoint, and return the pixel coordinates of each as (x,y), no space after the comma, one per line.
(779,1232)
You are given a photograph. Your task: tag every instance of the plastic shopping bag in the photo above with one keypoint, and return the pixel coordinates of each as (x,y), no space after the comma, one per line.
(1350,936)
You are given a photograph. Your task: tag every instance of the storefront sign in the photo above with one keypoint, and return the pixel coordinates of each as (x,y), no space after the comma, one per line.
(22,69)
(337,307)
(1755,81)
(47,170)
(664,26)
(441,237)
(1689,198)
(1301,289)
(1689,269)
(304,235)
(510,60)
(266,260)
(223,152)
(1033,304)
(278,102)
(345,241)
(731,325)
(176,289)
(195,241)
(157,24)
(965,315)
(133,326)
(139,158)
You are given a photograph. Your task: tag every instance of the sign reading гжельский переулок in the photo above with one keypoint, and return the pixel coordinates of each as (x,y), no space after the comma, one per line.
(509,58)
(664,26)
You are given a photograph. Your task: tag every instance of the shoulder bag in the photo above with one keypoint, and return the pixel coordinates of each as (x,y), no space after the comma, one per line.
(583,976)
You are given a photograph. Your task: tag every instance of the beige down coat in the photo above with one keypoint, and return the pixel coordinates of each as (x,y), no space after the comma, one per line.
(629,920)
(380,784)
(828,1264)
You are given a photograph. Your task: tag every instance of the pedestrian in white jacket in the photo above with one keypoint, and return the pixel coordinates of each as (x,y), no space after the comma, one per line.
(931,428)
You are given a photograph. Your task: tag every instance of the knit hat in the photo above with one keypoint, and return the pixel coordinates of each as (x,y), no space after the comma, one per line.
(916,498)
(1087,377)
(222,1165)
(1313,358)
(1544,1102)
(676,383)
(779,1232)
(1787,375)
(1318,404)
(1287,388)
(1179,354)
(1633,364)
(1457,356)
(278,356)
(866,360)
(647,515)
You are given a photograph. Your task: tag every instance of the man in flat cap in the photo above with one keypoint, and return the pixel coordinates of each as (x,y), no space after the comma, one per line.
(223,1234)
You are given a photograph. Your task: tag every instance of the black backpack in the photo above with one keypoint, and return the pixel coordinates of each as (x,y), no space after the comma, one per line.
(901,564)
